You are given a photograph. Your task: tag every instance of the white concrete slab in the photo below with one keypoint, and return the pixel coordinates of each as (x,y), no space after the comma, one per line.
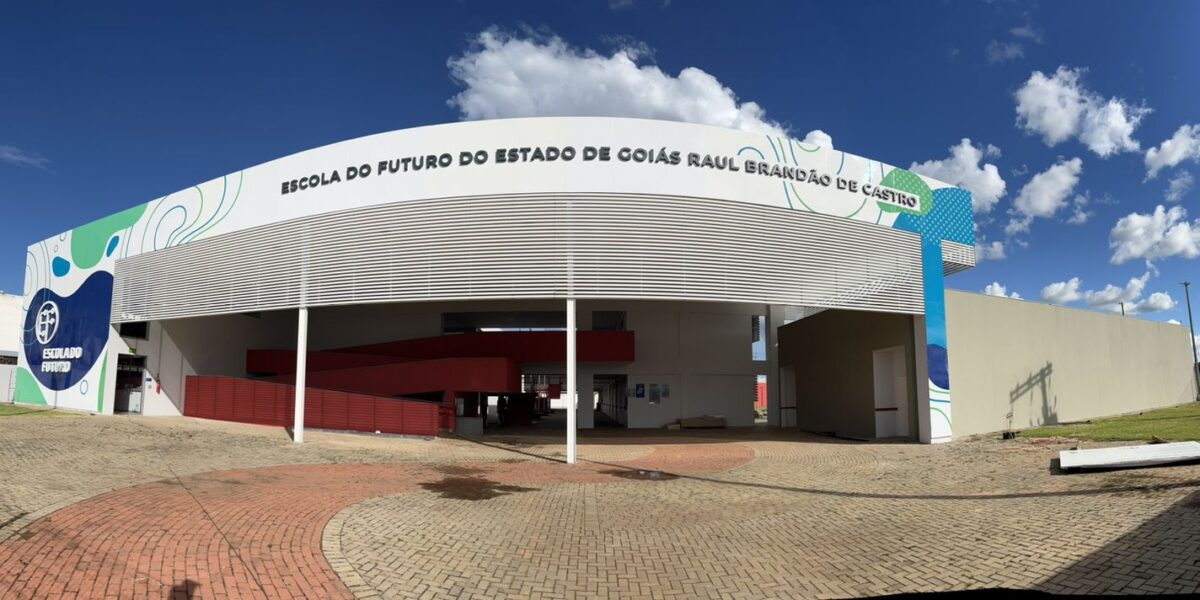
(1129,456)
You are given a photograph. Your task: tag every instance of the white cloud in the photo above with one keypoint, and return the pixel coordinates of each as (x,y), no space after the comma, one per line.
(1062,292)
(999,52)
(985,251)
(962,168)
(1161,234)
(1058,107)
(1044,195)
(1080,214)
(1028,32)
(995,288)
(1174,321)
(1179,185)
(1156,302)
(1183,145)
(17,157)
(507,76)
(819,138)
(1111,297)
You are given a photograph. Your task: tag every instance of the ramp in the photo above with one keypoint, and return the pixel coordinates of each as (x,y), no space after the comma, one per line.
(1124,457)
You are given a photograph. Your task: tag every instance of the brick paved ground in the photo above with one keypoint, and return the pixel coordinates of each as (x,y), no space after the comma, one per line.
(168,507)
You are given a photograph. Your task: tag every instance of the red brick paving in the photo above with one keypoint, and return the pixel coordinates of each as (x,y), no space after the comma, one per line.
(252,533)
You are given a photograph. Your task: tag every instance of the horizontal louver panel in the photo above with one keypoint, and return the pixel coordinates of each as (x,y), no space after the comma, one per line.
(603,246)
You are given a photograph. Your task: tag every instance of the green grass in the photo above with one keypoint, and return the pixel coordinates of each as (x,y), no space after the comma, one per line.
(1175,424)
(17,410)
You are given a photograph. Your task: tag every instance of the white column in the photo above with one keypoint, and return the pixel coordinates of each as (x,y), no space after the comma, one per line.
(771,323)
(572,393)
(301,367)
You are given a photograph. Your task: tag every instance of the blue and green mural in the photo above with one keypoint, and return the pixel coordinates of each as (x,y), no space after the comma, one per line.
(943,214)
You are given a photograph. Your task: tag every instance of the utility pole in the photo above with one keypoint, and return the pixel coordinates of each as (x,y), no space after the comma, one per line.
(1122,309)
(1187,294)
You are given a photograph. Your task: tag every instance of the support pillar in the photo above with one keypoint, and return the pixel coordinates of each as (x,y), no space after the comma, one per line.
(301,368)
(771,324)
(571,392)
(933,373)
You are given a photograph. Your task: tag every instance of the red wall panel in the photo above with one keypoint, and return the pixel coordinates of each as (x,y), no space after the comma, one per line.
(360,412)
(522,347)
(266,403)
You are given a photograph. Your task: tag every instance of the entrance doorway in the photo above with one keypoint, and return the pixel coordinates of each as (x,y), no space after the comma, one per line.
(891,393)
(130,383)
(610,399)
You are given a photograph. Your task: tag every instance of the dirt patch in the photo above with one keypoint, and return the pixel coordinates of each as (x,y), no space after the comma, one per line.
(472,488)
(641,474)
(457,470)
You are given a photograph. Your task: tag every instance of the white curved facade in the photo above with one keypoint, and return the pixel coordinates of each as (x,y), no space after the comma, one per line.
(583,208)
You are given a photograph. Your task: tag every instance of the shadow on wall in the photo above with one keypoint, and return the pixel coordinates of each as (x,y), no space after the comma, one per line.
(1160,552)
(1033,394)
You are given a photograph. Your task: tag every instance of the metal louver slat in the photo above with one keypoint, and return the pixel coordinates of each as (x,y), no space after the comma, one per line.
(535,246)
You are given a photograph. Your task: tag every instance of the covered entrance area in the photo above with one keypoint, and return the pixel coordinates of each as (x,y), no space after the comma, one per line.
(850,374)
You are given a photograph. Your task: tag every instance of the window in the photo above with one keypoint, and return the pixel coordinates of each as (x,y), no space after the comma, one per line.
(139,330)
(473,322)
(608,320)
(8,360)
(758,341)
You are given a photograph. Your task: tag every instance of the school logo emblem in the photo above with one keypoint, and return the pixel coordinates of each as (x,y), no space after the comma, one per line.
(46,324)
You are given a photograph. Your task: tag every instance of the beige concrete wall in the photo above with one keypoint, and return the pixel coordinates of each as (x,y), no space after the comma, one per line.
(12,319)
(832,354)
(1048,364)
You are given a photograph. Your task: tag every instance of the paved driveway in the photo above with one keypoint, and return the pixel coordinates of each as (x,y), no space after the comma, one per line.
(161,508)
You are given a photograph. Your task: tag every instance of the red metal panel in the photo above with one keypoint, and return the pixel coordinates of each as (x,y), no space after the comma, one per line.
(314,400)
(243,400)
(461,374)
(200,405)
(389,416)
(285,404)
(225,398)
(223,403)
(264,403)
(333,411)
(190,391)
(360,412)
(522,347)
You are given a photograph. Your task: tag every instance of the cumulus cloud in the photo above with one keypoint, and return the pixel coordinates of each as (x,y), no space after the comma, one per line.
(819,138)
(1183,145)
(1156,302)
(999,52)
(1179,185)
(1059,107)
(1062,292)
(1080,214)
(1111,297)
(12,155)
(1044,195)
(1161,234)
(995,288)
(508,76)
(963,168)
(989,251)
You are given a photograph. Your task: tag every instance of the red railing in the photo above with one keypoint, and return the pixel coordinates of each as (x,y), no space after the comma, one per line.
(266,403)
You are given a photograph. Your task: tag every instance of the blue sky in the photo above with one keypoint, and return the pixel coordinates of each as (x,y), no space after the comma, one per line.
(104,106)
